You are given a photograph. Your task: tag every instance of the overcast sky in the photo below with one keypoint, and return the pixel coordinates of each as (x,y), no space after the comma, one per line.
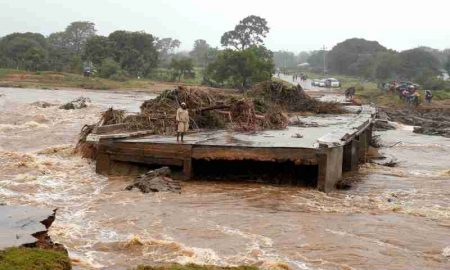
(295,25)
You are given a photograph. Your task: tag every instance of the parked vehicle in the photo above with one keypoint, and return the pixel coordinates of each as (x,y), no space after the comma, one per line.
(322,83)
(332,82)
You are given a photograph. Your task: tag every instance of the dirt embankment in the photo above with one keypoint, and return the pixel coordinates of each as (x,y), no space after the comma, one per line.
(427,120)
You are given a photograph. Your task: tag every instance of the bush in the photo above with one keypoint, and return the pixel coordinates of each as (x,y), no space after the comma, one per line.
(109,68)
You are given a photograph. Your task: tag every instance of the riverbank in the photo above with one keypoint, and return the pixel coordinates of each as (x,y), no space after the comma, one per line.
(61,80)
(20,258)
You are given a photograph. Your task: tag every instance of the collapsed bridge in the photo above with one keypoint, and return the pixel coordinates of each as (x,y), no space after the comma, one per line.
(314,154)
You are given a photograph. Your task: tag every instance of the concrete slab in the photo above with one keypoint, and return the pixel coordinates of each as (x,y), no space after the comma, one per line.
(332,130)
(18,223)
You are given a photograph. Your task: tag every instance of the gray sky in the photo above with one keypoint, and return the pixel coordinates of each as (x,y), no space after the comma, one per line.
(296,25)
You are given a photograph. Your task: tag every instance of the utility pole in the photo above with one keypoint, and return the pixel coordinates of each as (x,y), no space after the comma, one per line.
(324,60)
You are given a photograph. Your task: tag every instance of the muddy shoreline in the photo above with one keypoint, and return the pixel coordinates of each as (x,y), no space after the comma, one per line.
(428,121)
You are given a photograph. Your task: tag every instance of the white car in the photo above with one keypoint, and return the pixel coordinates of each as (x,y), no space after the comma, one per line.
(322,83)
(332,82)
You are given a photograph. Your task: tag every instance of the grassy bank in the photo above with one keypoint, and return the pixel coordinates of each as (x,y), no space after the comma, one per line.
(33,258)
(52,80)
(194,267)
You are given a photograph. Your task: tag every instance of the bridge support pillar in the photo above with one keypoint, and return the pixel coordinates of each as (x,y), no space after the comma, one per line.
(330,167)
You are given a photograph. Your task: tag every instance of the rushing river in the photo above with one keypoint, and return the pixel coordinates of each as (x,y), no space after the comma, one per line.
(392,218)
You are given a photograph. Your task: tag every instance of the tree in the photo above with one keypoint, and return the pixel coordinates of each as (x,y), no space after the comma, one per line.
(242,68)
(249,32)
(166,48)
(316,60)
(134,51)
(353,56)
(182,67)
(27,51)
(108,68)
(97,49)
(415,63)
(200,52)
(77,33)
(387,66)
(285,59)
(60,55)
(447,65)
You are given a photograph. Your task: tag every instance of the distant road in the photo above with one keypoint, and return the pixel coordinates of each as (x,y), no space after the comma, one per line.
(288,78)
(320,93)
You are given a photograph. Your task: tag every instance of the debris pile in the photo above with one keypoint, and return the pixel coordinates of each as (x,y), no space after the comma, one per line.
(75,104)
(291,98)
(264,107)
(158,180)
(83,147)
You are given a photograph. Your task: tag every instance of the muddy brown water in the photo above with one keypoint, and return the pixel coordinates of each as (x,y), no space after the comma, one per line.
(392,218)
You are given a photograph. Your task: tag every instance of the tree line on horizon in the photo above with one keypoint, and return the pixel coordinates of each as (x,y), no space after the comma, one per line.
(372,61)
(243,60)
(125,54)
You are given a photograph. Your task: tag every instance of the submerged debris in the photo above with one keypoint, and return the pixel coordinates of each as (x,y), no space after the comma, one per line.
(429,121)
(75,104)
(42,104)
(158,180)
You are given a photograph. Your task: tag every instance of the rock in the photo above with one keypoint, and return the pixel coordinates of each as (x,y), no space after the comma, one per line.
(445,132)
(158,180)
(78,103)
(383,125)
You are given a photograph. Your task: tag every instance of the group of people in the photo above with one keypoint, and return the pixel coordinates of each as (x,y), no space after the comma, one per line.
(408,92)
(303,77)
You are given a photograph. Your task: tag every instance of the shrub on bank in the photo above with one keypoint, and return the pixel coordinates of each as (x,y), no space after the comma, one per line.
(33,258)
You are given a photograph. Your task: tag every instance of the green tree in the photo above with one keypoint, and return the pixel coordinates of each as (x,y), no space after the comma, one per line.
(447,65)
(415,63)
(182,66)
(353,56)
(250,31)
(134,51)
(316,60)
(60,55)
(108,68)
(242,68)
(200,52)
(285,59)
(77,33)
(97,49)
(24,51)
(387,66)
(166,48)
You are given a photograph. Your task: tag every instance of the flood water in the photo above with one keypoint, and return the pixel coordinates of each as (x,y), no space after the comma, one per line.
(392,218)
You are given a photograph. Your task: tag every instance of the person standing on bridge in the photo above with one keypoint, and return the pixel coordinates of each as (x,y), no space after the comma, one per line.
(182,119)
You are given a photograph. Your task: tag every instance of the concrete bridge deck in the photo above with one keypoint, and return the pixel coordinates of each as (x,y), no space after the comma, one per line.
(331,143)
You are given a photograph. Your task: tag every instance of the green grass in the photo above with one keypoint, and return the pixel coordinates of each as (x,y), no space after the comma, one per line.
(441,94)
(33,259)
(195,267)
